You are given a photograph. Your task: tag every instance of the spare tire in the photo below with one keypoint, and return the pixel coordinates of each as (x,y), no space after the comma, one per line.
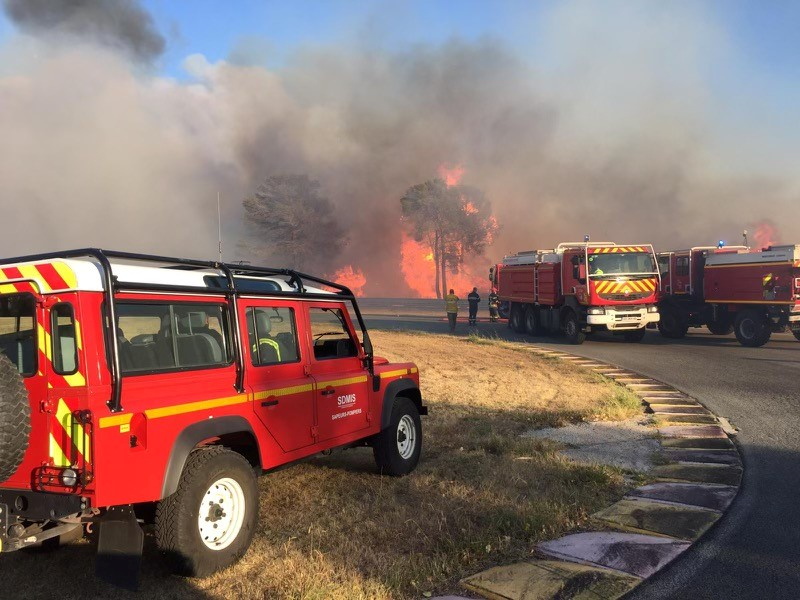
(15,418)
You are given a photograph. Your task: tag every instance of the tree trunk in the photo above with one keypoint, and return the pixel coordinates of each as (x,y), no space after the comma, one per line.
(436,262)
(443,258)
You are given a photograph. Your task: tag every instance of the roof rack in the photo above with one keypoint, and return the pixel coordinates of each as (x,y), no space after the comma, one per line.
(228,270)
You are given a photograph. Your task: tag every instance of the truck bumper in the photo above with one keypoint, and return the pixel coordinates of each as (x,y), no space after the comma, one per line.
(623,319)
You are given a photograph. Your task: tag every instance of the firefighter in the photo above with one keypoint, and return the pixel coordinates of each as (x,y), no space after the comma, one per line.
(494,304)
(473,298)
(451,306)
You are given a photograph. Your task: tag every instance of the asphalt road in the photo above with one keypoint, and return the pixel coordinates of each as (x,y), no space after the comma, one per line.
(754,551)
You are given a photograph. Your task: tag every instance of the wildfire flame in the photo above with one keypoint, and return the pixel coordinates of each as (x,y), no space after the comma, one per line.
(352,278)
(765,234)
(451,174)
(419,271)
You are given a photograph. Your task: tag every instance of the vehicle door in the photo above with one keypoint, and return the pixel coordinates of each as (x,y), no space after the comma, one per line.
(337,366)
(664,261)
(277,371)
(682,277)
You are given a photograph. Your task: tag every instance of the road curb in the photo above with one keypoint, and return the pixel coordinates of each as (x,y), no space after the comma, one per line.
(653,523)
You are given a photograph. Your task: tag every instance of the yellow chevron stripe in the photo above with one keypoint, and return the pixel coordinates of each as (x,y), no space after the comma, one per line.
(75,380)
(31,272)
(78,335)
(44,342)
(57,454)
(66,273)
(73,429)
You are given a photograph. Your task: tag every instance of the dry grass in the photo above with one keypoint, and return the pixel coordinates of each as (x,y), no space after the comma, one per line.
(332,528)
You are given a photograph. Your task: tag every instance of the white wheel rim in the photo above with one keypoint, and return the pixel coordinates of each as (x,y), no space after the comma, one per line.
(406,437)
(221,513)
(748,328)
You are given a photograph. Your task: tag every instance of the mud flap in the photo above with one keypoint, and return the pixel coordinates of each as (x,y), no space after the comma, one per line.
(119,549)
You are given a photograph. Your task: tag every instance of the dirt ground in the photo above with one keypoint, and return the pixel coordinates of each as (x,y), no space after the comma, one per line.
(331,527)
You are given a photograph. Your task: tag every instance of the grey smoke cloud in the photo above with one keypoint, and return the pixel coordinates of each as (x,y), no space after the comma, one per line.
(120,24)
(615,137)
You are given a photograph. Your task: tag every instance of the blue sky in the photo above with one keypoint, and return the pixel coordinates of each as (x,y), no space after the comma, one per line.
(764,33)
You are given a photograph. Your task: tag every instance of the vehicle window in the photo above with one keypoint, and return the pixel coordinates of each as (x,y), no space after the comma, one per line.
(18,331)
(330,334)
(682,266)
(272,335)
(618,263)
(663,264)
(156,337)
(64,339)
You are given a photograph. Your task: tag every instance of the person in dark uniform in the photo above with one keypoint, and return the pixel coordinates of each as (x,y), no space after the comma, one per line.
(494,304)
(473,299)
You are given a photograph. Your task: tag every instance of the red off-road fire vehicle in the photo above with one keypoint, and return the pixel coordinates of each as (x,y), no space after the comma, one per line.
(731,288)
(578,288)
(130,382)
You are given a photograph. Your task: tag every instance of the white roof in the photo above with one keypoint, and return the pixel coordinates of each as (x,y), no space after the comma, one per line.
(59,275)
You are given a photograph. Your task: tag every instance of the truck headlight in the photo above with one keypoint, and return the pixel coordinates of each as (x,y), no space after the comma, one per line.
(596,310)
(69,478)
(652,308)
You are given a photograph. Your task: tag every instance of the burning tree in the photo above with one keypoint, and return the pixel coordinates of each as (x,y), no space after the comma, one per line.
(292,221)
(453,221)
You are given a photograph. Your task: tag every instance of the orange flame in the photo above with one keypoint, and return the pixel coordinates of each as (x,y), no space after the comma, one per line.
(419,271)
(451,174)
(766,234)
(470,208)
(352,278)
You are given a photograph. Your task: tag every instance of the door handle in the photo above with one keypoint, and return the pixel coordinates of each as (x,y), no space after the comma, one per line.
(270,401)
(328,391)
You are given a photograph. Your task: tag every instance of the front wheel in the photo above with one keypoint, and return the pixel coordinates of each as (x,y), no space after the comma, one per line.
(397,448)
(751,328)
(572,329)
(672,323)
(637,335)
(209,522)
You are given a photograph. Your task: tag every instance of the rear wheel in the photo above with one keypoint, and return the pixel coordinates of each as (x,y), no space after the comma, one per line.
(637,335)
(672,323)
(209,522)
(517,320)
(397,448)
(572,329)
(751,328)
(531,321)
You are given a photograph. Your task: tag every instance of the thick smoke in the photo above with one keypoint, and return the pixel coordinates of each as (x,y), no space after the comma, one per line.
(120,24)
(610,131)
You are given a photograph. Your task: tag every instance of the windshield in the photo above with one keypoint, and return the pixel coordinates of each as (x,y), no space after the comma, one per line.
(17,329)
(621,263)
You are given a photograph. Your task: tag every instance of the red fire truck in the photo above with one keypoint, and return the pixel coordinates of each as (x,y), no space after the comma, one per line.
(135,386)
(729,289)
(578,288)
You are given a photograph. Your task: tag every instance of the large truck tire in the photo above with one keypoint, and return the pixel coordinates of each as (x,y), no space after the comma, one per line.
(531,321)
(752,328)
(517,319)
(15,418)
(672,323)
(572,329)
(209,522)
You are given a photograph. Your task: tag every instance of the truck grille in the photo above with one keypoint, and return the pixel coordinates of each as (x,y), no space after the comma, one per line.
(623,297)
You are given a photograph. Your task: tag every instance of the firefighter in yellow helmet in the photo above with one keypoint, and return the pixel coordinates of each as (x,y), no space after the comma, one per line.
(451,307)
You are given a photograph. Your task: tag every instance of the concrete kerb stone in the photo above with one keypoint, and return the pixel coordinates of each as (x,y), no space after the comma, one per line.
(688,499)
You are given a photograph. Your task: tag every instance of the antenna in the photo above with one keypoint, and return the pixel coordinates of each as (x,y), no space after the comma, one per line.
(219,229)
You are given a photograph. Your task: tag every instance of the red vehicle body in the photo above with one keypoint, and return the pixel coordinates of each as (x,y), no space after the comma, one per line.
(730,289)
(258,364)
(578,288)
